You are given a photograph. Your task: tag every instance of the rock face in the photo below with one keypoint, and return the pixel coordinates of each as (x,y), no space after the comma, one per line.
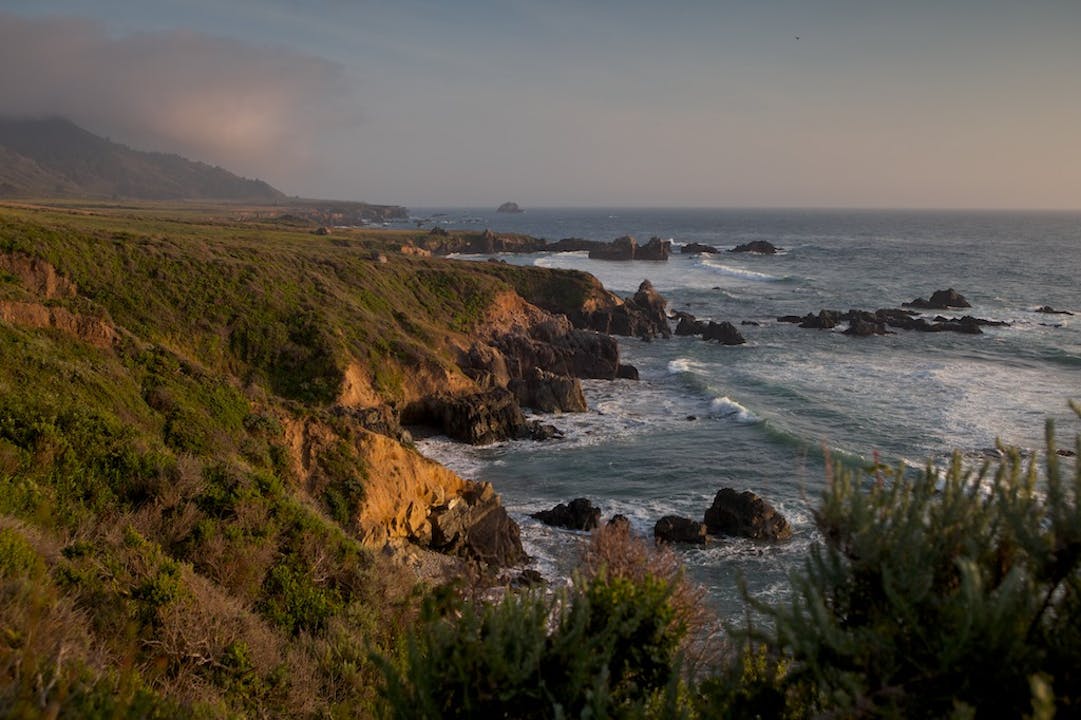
(547,392)
(695,248)
(756,246)
(642,315)
(745,515)
(940,300)
(656,249)
(477,419)
(676,529)
(579,514)
(476,526)
(509,207)
(556,347)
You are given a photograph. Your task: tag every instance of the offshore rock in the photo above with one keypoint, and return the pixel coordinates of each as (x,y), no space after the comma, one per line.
(745,515)
(627,372)
(1048,310)
(656,250)
(756,246)
(579,514)
(940,300)
(676,529)
(724,332)
(622,248)
(509,207)
(573,244)
(694,248)
(642,315)
(475,525)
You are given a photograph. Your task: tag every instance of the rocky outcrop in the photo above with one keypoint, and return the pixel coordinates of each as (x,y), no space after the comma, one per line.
(477,418)
(676,529)
(745,515)
(622,248)
(579,514)
(863,323)
(697,248)
(756,246)
(547,392)
(656,250)
(642,315)
(555,346)
(476,526)
(627,372)
(1048,310)
(37,276)
(573,244)
(509,207)
(940,300)
(442,242)
(825,320)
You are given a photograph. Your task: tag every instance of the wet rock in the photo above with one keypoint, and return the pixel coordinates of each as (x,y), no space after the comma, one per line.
(676,529)
(1048,310)
(745,515)
(622,248)
(540,432)
(824,320)
(940,300)
(724,332)
(756,246)
(696,248)
(749,323)
(627,372)
(579,514)
(689,325)
(619,521)
(656,250)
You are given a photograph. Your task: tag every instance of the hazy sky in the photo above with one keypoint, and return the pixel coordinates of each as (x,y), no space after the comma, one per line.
(922,103)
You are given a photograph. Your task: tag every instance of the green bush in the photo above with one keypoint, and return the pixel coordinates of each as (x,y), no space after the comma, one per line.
(958,592)
(606,649)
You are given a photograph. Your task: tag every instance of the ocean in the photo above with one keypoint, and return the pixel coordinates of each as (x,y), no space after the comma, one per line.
(765,416)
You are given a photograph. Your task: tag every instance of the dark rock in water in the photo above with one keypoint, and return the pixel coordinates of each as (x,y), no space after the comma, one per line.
(970,320)
(622,248)
(940,300)
(1047,309)
(548,392)
(619,521)
(573,244)
(536,430)
(656,249)
(745,515)
(864,328)
(509,207)
(477,419)
(756,246)
(676,529)
(750,323)
(724,332)
(692,417)
(579,514)
(476,526)
(790,318)
(694,248)
(652,307)
(1066,453)
(824,320)
(497,260)
(627,372)
(1052,325)
(689,325)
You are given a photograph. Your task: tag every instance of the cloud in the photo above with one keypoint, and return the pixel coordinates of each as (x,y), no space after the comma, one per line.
(257,110)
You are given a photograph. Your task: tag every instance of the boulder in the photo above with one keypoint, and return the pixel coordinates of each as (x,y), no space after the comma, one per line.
(696,248)
(475,525)
(724,332)
(940,300)
(548,392)
(536,430)
(756,246)
(745,515)
(627,372)
(860,327)
(689,325)
(676,529)
(622,248)
(652,309)
(579,514)
(620,522)
(824,320)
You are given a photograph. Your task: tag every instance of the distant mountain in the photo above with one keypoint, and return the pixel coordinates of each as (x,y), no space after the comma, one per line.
(53,157)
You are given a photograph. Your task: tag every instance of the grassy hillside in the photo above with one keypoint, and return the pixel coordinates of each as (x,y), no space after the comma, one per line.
(158,546)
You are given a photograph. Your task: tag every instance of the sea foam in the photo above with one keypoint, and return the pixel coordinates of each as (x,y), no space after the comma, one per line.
(728,408)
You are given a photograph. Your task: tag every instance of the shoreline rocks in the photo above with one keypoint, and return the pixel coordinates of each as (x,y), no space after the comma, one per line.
(746,515)
(626,248)
(762,247)
(940,300)
(578,514)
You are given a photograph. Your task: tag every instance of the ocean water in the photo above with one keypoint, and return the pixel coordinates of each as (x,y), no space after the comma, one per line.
(764,416)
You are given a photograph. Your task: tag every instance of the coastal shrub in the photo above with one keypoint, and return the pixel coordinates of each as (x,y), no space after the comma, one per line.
(956,592)
(605,649)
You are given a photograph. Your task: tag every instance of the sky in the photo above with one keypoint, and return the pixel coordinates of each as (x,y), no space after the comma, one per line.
(729,103)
